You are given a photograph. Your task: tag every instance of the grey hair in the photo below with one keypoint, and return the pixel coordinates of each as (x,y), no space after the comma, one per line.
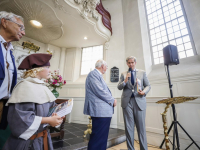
(99,63)
(131,57)
(9,16)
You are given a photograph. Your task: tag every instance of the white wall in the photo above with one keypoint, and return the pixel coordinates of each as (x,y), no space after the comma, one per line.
(130,37)
(18,51)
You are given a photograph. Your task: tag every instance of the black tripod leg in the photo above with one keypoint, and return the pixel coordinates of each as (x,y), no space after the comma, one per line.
(175,126)
(177,138)
(167,133)
(174,138)
(188,134)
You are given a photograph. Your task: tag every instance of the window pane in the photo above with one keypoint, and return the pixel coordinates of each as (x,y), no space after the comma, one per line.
(164,38)
(160,47)
(184,31)
(167,25)
(170,30)
(176,28)
(174,22)
(155,49)
(167,19)
(171,36)
(159,41)
(173,16)
(182,54)
(186,39)
(178,7)
(153,37)
(89,57)
(160,53)
(161,60)
(154,42)
(162,27)
(180,20)
(190,53)
(158,35)
(166,13)
(156,61)
(188,45)
(171,11)
(182,25)
(163,33)
(180,48)
(179,13)
(155,54)
(173,42)
(177,34)
(165,44)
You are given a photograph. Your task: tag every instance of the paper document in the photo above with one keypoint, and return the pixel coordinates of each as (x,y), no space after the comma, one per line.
(61,109)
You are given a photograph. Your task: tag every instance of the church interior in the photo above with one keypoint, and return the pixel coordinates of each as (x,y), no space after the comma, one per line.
(79,32)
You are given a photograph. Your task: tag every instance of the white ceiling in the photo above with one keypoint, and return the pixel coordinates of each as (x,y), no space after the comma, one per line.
(62,24)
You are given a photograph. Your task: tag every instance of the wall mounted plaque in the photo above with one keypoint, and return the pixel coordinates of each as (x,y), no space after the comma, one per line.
(114,74)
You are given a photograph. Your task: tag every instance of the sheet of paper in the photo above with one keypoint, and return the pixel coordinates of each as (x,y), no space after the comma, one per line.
(63,109)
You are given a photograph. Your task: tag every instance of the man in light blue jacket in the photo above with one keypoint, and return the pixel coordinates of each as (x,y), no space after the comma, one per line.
(99,104)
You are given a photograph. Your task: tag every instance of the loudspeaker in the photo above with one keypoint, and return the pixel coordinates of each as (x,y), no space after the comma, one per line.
(170,54)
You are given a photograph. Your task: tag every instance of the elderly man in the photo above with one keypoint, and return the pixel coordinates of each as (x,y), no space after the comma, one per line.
(11,29)
(135,86)
(99,104)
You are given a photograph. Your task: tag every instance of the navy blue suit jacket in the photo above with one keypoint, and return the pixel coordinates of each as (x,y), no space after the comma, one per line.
(2,69)
(4,121)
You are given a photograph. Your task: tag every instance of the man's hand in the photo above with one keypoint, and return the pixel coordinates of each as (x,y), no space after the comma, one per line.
(115,103)
(141,92)
(127,76)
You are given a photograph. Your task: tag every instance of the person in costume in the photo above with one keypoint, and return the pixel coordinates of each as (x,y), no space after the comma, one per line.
(29,106)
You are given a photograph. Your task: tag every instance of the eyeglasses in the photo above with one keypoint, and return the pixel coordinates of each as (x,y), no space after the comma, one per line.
(22,28)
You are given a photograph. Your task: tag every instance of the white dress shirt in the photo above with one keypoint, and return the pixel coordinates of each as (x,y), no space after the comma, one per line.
(99,71)
(4,91)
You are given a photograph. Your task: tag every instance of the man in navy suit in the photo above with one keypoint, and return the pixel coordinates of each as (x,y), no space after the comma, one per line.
(99,104)
(11,29)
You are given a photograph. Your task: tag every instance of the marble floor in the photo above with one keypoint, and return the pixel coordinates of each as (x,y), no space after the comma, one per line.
(123,146)
(73,137)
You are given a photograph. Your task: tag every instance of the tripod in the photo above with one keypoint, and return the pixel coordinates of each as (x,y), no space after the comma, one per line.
(175,122)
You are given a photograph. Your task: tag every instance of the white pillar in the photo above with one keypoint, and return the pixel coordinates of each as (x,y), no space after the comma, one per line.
(62,61)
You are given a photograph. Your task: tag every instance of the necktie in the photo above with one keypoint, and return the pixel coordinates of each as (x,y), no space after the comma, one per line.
(132,78)
(132,81)
(6,47)
(7,64)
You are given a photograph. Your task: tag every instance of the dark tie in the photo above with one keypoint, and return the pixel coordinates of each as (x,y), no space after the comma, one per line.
(6,47)
(132,81)
(132,78)
(7,64)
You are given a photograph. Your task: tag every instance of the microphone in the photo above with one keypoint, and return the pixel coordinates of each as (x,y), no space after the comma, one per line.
(130,70)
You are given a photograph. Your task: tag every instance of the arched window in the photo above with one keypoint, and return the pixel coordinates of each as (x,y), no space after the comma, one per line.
(90,55)
(168,24)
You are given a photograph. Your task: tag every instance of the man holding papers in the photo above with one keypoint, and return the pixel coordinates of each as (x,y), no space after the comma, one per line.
(135,86)
(99,104)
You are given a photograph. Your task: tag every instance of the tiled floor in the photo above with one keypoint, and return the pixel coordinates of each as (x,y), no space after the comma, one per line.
(73,137)
(123,146)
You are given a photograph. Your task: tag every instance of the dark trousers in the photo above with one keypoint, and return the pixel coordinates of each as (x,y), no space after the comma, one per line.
(4,122)
(99,136)
(4,129)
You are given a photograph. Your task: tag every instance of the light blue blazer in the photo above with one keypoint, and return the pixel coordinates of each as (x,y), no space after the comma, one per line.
(98,98)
